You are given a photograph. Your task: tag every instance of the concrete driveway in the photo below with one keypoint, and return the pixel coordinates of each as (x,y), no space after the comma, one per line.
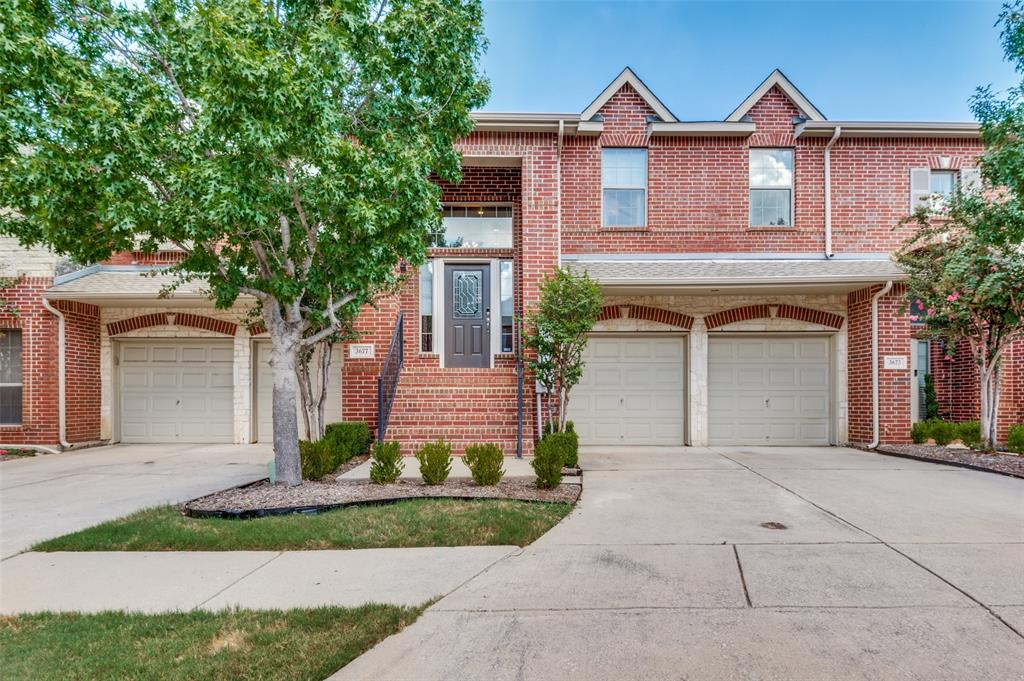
(50,495)
(669,569)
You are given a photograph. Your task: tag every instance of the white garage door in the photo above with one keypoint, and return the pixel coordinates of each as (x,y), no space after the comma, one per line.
(265,393)
(631,392)
(769,391)
(176,391)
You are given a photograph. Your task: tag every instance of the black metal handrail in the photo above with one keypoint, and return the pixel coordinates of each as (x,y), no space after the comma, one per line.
(387,382)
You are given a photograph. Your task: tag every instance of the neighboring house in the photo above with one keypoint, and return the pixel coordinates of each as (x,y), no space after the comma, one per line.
(739,261)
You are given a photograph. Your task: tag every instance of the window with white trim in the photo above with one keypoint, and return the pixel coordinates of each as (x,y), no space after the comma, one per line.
(10,376)
(507,314)
(623,187)
(771,187)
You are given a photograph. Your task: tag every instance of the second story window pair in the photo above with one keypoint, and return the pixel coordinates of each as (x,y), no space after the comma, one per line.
(771,187)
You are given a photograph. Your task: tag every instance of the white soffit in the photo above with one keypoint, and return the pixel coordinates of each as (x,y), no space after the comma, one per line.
(627,76)
(777,78)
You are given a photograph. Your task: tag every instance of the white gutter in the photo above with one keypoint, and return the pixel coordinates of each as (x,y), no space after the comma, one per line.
(61,388)
(875,431)
(828,191)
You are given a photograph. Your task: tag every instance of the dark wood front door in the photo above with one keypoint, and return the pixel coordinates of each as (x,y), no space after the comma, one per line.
(467,315)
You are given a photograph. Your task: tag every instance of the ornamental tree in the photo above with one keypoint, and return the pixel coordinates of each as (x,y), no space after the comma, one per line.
(569,307)
(284,146)
(968,288)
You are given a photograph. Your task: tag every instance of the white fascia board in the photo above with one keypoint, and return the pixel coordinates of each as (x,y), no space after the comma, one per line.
(888,129)
(703,129)
(777,78)
(627,76)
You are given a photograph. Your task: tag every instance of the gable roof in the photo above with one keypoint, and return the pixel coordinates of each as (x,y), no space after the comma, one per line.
(627,76)
(777,79)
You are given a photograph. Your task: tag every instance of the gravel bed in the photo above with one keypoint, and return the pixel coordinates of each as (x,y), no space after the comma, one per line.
(996,462)
(263,496)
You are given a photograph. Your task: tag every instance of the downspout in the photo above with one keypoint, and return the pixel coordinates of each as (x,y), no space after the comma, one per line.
(875,430)
(828,191)
(61,388)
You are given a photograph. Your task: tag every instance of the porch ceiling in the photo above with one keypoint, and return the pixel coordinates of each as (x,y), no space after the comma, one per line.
(742,275)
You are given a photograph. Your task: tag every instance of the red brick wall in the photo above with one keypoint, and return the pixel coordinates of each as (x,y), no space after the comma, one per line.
(39,362)
(958,392)
(698,186)
(894,388)
(82,370)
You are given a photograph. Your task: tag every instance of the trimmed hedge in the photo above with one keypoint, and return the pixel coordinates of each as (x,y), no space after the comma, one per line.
(944,432)
(352,438)
(568,443)
(435,461)
(318,459)
(386,462)
(548,459)
(1015,439)
(485,463)
(340,443)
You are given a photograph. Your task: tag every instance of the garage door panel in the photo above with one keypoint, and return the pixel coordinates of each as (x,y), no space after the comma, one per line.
(171,392)
(631,391)
(768,390)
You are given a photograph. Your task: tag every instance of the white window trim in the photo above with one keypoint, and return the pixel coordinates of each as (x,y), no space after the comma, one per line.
(792,190)
(20,384)
(646,190)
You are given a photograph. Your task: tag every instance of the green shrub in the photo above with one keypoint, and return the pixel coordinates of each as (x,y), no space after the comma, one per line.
(485,463)
(969,432)
(386,462)
(318,459)
(349,438)
(547,463)
(943,432)
(435,461)
(931,399)
(921,432)
(567,446)
(1015,439)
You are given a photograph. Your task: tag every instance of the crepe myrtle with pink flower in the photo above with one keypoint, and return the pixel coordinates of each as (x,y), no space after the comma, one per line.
(967,288)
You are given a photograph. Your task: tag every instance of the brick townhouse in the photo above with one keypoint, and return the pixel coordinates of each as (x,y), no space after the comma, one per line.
(750,295)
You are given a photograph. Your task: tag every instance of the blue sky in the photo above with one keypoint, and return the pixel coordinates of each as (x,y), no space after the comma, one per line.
(853,60)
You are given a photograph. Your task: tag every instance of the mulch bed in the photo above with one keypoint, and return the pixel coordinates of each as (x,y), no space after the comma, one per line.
(262,498)
(995,462)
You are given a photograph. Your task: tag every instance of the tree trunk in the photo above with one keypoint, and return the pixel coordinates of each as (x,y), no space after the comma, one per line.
(313,372)
(989,377)
(285,339)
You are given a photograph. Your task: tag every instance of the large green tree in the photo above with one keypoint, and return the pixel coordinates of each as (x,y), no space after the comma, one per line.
(285,146)
(1001,116)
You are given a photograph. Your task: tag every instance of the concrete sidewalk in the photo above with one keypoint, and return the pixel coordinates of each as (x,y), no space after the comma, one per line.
(168,581)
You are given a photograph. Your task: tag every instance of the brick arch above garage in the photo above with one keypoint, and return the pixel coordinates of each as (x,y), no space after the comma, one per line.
(185,319)
(749,312)
(649,314)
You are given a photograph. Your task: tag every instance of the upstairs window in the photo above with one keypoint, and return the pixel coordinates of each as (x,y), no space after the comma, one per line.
(931,189)
(771,187)
(474,227)
(624,187)
(10,376)
(942,182)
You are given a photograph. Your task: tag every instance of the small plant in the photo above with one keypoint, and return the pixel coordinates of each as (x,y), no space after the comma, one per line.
(567,446)
(349,438)
(386,463)
(485,463)
(435,461)
(1015,439)
(920,432)
(931,399)
(547,463)
(318,459)
(969,432)
(943,432)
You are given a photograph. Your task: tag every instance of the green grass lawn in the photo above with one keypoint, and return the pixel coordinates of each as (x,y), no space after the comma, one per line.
(240,644)
(419,522)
